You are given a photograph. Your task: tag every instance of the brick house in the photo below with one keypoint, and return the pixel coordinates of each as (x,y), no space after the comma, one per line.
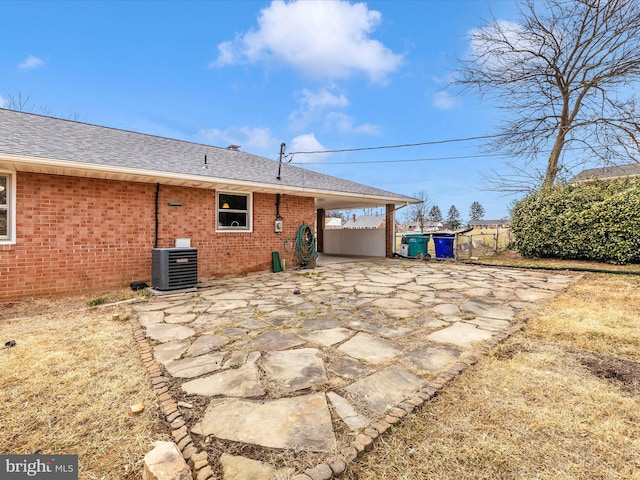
(82,206)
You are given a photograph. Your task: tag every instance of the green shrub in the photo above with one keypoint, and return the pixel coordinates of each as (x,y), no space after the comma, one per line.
(589,221)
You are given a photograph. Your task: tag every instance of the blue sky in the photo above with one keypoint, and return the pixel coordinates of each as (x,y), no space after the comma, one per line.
(316,75)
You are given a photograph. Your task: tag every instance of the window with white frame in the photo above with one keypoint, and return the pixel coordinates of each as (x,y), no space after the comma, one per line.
(234,212)
(7,207)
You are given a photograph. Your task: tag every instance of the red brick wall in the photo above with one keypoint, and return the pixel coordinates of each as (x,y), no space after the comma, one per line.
(82,234)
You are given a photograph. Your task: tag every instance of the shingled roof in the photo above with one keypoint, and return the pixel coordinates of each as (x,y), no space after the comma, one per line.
(608,173)
(37,143)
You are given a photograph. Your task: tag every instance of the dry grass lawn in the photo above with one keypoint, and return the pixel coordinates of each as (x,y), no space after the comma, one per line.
(560,400)
(68,383)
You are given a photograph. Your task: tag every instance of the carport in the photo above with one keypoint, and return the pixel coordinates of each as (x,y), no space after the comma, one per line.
(366,242)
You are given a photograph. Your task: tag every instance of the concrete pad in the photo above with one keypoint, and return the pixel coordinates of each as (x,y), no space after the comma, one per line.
(145,318)
(180,318)
(386,388)
(298,423)
(206,343)
(196,366)
(170,351)
(327,337)
(347,412)
(460,334)
(275,340)
(243,381)
(490,310)
(370,348)
(294,370)
(163,332)
(431,358)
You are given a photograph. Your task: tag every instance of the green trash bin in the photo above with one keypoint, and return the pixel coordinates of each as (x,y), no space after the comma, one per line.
(418,244)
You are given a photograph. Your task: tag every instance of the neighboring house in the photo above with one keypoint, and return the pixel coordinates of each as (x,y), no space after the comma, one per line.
(366,221)
(427,227)
(332,223)
(82,206)
(490,224)
(608,173)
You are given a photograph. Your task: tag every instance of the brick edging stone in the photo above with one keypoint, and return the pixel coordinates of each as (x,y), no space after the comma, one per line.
(196,459)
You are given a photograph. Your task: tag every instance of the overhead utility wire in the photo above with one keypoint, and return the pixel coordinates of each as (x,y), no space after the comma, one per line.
(402,145)
(430,159)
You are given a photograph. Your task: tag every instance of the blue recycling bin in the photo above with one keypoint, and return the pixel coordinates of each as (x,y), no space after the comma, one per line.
(418,244)
(444,245)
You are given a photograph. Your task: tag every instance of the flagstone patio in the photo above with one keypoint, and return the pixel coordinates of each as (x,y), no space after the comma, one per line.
(287,360)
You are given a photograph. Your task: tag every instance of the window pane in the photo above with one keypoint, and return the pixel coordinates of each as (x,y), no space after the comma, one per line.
(233,202)
(3,223)
(3,189)
(232,219)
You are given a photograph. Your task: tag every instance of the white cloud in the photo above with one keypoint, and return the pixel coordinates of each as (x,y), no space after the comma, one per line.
(322,39)
(313,110)
(345,124)
(3,102)
(307,143)
(313,105)
(251,139)
(31,62)
(445,101)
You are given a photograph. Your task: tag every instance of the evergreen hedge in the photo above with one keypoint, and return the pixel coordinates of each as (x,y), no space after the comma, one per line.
(589,221)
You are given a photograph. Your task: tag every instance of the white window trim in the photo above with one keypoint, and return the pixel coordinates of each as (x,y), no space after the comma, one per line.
(11,205)
(249,228)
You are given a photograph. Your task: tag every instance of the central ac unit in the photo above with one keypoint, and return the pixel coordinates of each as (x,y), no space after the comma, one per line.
(174,268)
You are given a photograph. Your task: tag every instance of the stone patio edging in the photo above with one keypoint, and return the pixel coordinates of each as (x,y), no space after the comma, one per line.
(197,460)
(335,466)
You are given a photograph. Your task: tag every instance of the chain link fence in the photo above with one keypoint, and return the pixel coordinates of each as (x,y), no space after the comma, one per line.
(483,243)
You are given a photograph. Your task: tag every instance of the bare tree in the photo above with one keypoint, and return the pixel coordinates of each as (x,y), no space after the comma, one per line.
(562,74)
(22,103)
(418,211)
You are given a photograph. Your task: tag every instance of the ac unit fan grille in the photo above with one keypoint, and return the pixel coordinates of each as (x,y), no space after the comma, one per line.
(174,268)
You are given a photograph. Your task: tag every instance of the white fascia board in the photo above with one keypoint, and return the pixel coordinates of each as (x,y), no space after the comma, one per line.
(202,180)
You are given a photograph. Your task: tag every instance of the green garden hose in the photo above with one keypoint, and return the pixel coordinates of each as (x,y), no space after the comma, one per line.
(306,253)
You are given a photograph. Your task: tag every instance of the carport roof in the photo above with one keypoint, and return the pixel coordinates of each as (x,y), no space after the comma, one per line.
(36,143)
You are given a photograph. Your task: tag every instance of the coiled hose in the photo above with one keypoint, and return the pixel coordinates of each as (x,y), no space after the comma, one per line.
(306,253)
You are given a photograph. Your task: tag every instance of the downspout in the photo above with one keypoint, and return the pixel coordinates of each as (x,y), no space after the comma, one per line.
(155,245)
